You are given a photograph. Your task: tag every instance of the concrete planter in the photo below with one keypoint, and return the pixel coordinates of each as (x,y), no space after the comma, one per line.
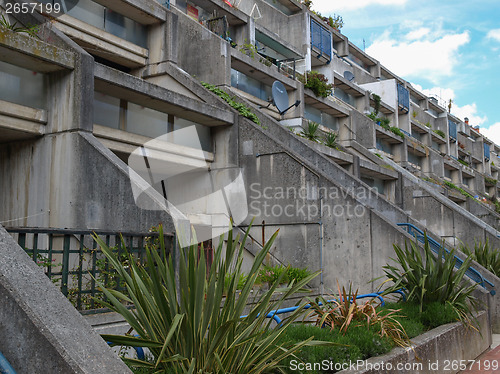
(441,350)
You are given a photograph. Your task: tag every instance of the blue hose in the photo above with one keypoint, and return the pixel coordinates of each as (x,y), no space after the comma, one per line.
(5,367)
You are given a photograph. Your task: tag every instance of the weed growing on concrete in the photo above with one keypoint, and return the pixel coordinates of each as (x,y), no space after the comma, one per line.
(31,30)
(241,108)
(397,131)
(440,133)
(490,181)
(461,190)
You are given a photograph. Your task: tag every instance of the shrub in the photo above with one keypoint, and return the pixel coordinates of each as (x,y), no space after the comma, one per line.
(343,351)
(311,132)
(317,82)
(415,323)
(436,314)
(344,312)
(397,132)
(330,140)
(432,278)
(484,255)
(440,133)
(273,274)
(193,327)
(491,181)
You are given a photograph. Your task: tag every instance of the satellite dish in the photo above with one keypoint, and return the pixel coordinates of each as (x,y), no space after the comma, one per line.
(348,75)
(280,97)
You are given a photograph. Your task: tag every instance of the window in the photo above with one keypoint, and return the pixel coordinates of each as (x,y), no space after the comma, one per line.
(123,115)
(250,85)
(325,119)
(99,16)
(22,86)
(345,97)
(384,146)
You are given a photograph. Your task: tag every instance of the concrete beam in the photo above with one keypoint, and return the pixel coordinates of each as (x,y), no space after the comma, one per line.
(103,44)
(41,331)
(31,53)
(136,90)
(146,12)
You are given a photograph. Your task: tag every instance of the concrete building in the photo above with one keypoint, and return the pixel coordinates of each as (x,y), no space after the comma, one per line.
(97,83)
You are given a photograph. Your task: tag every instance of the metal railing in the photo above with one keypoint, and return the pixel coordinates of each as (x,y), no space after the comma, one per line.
(72,261)
(452,131)
(321,39)
(487,152)
(403,98)
(274,313)
(5,367)
(437,248)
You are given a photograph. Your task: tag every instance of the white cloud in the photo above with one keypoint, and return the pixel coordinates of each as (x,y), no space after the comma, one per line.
(328,6)
(469,111)
(444,95)
(423,55)
(418,34)
(494,34)
(492,132)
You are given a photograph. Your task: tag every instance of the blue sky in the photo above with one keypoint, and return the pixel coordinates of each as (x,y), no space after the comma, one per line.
(448,48)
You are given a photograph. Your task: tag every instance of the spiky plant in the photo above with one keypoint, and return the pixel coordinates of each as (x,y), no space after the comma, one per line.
(330,139)
(343,310)
(311,131)
(433,278)
(485,255)
(197,326)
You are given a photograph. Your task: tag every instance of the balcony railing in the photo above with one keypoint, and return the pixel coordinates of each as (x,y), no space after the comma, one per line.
(403,99)
(487,153)
(322,40)
(452,131)
(72,261)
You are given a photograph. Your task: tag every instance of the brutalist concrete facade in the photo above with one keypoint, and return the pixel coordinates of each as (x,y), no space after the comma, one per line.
(63,163)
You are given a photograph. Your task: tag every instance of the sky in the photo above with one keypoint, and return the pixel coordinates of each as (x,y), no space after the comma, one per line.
(446,48)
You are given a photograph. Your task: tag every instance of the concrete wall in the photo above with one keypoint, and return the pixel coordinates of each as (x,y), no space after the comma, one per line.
(41,331)
(196,41)
(314,237)
(447,219)
(70,180)
(440,350)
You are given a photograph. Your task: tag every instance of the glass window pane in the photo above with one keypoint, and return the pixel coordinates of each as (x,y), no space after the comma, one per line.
(205,139)
(106,110)
(145,121)
(22,86)
(88,12)
(312,114)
